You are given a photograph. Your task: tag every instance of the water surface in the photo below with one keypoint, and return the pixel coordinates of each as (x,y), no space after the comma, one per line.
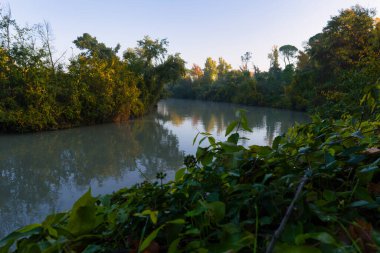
(46,172)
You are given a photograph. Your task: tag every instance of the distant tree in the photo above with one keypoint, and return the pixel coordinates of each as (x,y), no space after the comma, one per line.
(196,72)
(210,70)
(273,57)
(153,52)
(223,67)
(245,59)
(94,48)
(288,52)
(6,24)
(46,35)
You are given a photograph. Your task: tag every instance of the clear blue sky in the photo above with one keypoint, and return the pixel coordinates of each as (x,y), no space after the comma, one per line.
(195,28)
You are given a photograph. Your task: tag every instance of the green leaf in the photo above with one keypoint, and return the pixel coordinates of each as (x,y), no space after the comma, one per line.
(197,211)
(83,216)
(200,152)
(6,246)
(233,138)
(195,138)
(357,134)
(206,158)
(356,159)
(276,142)
(304,150)
(231,127)
(369,169)
(217,210)
(244,124)
(179,174)
(322,237)
(148,240)
(173,245)
(329,195)
(177,221)
(211,140)
(21,233)
(359,203)
(153,216)
(283,248)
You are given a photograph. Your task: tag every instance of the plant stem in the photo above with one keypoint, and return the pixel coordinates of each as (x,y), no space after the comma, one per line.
(289,211)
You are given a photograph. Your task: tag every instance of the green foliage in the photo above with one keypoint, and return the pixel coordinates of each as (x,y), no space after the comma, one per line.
(337,68)
(230,198)
(38,93)
(288,51)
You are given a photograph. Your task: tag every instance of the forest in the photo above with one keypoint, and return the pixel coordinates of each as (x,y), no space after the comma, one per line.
(334,70)
(315,189)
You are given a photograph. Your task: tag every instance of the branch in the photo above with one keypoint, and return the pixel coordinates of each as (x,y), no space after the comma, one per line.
(289,211)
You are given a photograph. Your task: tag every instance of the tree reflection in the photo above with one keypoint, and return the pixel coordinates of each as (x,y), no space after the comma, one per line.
(216,116)
(34,168)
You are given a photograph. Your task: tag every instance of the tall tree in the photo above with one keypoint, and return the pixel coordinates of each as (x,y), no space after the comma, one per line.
(153,67)
(273,57)
(94,48)
(245,59)
(210,70)
(343,43)
(196,72)
(288,52)
(6,24)
(223,67)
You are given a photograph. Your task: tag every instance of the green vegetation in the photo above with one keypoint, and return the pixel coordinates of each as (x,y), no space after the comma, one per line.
(316,189)
(40,93)
(335,69)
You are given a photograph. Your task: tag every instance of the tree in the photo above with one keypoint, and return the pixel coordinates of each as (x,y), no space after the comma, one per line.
(223,67)
(153,68)
(273,57)
(6,25)
(46,36)
(94,48)
(343,43)
(210,70)
(245,59)
(288,52)
(196,72)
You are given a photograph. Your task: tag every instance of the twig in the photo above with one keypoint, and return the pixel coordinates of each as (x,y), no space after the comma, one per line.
(289,211)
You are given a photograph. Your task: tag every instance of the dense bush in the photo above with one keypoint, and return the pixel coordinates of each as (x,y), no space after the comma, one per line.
(38,93)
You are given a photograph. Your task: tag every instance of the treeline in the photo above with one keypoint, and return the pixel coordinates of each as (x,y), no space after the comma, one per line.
(330,75)
(40,92)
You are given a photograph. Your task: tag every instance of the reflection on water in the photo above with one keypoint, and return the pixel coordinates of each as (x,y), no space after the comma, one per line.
(186,118)
(46,172)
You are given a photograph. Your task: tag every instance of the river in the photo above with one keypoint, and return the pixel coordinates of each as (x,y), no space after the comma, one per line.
(46,172)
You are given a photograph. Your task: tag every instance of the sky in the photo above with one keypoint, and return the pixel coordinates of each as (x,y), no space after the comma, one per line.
(195,28)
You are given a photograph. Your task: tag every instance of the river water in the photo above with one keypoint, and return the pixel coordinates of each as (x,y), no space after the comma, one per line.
(46,172)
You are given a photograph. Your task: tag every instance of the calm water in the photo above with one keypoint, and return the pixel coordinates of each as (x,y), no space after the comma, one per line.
(46,172)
